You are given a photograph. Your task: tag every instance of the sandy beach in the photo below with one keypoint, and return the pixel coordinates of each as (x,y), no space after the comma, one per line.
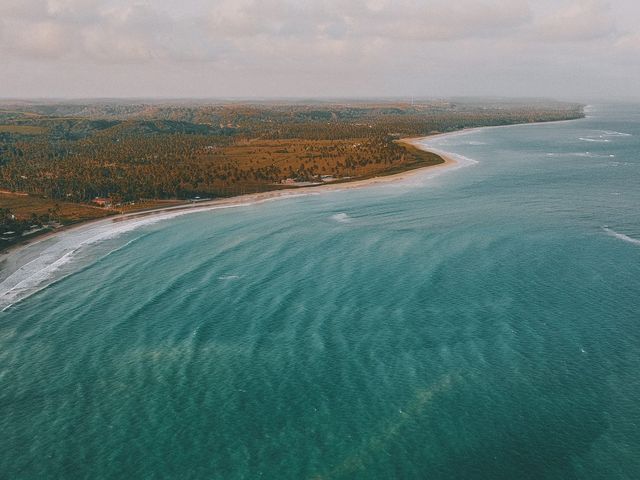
(24,267)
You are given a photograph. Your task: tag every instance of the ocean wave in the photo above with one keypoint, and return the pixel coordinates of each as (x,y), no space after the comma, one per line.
(612,133)
(621,236)
(613,164)
(41,272)
(44,271)
(604,136)
(341,218)
(461,160)
(580,154)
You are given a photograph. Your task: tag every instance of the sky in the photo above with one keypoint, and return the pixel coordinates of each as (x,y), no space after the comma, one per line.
(565,49)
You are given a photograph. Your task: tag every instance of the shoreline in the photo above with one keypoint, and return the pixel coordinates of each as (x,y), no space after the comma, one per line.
(27,268)
(44,258)
(417,142)
(246,199)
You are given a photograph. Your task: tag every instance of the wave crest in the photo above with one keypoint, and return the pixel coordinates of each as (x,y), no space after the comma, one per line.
(621,236)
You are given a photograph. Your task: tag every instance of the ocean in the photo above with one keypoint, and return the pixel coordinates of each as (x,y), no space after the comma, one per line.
(482,323)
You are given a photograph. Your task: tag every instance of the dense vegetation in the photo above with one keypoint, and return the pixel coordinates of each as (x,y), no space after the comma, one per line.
(12,226)
(76,152)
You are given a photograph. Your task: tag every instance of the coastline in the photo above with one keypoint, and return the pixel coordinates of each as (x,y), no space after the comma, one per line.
(246,199)
(417,142)
(25,268)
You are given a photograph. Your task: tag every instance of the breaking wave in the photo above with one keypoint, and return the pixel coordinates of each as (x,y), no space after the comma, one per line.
(597,140)
(621,236)
(341,218)
(48,266)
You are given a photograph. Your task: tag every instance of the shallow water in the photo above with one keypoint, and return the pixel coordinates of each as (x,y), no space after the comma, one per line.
(479,324)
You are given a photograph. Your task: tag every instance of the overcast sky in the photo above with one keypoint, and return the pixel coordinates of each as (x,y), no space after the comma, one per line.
(292,48)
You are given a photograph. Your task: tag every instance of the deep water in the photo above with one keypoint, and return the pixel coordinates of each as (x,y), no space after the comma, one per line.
(482,324)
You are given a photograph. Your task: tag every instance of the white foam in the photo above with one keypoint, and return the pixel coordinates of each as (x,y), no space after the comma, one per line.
(621,236)
(579,154)
(612,133)
(33,276)
(603,136)
(597,140)
(228,277)
(341,218)
(592,155)
(26,285)
(461,160)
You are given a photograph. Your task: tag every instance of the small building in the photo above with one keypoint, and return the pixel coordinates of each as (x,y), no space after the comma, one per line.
(199,199)
(102,202)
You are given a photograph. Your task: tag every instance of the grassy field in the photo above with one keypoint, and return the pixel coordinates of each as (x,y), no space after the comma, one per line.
(22,206)
(349,157)
(286,153)
(22,129)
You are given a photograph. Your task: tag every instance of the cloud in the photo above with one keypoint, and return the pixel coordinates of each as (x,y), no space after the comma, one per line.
(311,35)
(578,21)
(403,19)
(444,21)
(40,39)
(75,10)
(119,31)
(284,47)
(629,43)
(99,31)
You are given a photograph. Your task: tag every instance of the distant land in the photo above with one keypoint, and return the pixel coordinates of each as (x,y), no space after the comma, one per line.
(63,162)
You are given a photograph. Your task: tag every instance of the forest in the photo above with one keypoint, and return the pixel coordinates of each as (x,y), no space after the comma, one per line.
(71,153)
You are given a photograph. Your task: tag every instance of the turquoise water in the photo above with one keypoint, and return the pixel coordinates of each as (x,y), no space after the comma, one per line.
(482,324)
